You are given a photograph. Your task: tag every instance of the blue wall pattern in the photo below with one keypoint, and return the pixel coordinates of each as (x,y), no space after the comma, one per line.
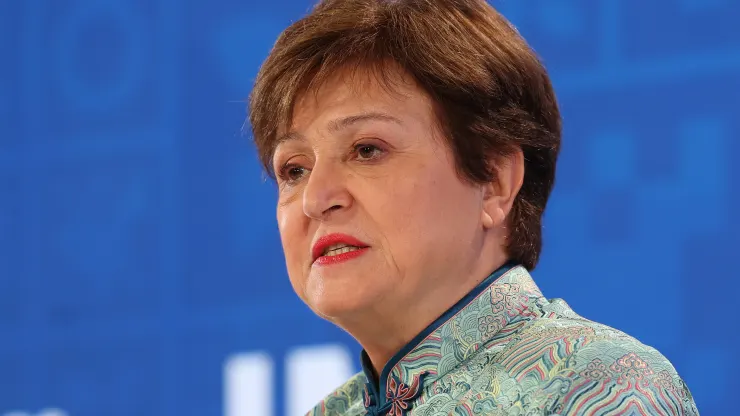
(138,246)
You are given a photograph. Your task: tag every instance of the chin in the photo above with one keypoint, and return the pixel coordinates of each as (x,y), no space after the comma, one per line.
(332,305)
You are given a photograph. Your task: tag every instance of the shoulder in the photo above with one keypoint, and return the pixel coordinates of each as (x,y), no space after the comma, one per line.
(582,367)
(346,400)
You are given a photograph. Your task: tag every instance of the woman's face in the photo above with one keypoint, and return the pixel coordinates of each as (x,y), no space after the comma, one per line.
(371,212)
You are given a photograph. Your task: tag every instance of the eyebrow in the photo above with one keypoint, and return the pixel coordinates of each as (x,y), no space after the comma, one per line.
(343,123)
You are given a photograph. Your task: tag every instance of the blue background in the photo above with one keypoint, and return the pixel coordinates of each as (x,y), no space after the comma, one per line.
(138,245)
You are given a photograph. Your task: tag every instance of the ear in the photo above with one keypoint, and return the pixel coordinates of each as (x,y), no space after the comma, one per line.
(499,194)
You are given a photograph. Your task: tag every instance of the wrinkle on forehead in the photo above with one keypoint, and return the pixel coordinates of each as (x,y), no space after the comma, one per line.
(360,80)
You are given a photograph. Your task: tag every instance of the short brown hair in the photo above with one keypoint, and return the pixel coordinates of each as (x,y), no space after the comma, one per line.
(492,95)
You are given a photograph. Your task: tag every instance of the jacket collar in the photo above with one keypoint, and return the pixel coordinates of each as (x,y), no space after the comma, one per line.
(485,314)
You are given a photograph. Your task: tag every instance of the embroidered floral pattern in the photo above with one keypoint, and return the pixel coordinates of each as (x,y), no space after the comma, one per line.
(488,325)
(631,367)
(665,380)
(368,402)
(530,356)
(400,395)
(505,297)
(596,370)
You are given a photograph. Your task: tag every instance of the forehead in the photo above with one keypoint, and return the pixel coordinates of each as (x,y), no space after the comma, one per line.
(358,91)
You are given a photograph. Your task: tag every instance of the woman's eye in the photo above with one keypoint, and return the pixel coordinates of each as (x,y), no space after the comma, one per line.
(292,173)
(295,173)
(368,151)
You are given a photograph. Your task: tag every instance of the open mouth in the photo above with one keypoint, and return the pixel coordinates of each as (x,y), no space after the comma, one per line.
(337,249)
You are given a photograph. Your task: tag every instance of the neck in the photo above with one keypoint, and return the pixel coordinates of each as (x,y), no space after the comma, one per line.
(382,334)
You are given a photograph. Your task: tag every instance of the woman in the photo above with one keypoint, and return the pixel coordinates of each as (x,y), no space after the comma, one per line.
(414,145)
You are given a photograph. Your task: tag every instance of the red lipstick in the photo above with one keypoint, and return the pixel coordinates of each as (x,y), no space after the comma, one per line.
(332,239)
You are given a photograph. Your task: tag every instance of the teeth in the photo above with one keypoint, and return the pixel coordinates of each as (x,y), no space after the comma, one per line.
(338,249)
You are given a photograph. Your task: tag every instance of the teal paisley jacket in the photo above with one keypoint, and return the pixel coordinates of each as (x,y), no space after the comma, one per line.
(504,349)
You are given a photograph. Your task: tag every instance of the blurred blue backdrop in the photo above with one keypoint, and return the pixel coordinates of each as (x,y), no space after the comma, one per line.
(141,271)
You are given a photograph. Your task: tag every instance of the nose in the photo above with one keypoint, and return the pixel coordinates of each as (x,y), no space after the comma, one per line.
(325,192)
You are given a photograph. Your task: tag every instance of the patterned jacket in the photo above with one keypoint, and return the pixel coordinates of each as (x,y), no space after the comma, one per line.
(504,349)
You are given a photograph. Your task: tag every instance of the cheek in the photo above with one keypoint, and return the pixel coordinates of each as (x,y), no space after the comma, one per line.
(430,212)
(404,209)
(292,235)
